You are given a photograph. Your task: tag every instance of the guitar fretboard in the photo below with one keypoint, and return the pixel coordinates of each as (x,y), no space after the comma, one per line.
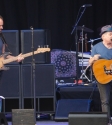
(40,50)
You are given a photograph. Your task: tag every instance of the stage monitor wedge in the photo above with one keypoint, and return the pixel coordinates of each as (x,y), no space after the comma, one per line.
(89,118)
(39,37)
(23,117)
(73,105)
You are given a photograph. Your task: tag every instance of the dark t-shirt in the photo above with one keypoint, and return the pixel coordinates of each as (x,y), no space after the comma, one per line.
(1,45)
(99,48)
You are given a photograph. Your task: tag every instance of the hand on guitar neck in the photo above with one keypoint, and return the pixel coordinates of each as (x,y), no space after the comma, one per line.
(19,57)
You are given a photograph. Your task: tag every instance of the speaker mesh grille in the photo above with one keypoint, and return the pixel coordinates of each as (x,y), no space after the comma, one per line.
(44,80)
(9,84)
(23,117)
(40,37)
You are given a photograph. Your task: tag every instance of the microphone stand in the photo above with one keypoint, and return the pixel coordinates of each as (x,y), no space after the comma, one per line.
(33,74)
(76,38)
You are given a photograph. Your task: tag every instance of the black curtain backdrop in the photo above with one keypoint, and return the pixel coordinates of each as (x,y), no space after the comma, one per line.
(58,16)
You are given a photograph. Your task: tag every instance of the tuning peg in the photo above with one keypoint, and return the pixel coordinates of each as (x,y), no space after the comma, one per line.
(46,46)
(40,46)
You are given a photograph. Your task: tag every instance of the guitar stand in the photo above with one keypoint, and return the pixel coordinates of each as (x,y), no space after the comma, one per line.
(83,74)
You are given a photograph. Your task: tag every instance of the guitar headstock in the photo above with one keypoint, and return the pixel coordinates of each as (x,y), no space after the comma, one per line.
(43,49)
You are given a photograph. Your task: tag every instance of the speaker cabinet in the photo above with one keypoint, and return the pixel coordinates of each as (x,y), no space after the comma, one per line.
(88,119)
(10,82)
(40,37)
(12,39)
(44,80)
(43,104)
(10,103)
(73,105)
(10,88)
(23,117)
(44,86)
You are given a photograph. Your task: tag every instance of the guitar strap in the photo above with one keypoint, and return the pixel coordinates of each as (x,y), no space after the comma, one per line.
(4,41)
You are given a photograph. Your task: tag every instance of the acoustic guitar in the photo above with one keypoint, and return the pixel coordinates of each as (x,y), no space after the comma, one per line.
(6,61)
(102,70)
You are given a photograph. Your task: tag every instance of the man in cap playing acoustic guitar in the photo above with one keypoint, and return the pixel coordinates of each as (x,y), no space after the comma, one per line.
(103,50)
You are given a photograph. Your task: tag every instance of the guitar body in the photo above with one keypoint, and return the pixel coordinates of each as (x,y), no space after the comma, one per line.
(99,72)
(1,61)
(2,57)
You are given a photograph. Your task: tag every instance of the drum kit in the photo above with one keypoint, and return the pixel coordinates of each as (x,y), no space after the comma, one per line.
(82,55)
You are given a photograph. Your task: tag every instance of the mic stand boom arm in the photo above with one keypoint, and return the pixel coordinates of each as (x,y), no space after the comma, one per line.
(78,21)
(76,38)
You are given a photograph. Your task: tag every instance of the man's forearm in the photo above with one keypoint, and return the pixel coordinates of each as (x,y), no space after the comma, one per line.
(91,60)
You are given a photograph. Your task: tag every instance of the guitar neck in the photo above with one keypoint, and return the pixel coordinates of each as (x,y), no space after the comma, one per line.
(15,58)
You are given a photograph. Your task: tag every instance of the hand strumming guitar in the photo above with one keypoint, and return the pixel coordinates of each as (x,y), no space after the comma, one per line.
(94,58)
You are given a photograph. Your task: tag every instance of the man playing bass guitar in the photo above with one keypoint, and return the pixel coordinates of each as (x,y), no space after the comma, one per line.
(2,46)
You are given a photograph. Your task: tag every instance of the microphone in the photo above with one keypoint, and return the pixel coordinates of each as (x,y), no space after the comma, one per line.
(31,27)
(86,5)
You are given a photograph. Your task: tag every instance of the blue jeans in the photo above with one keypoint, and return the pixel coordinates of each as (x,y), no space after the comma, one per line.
(104,90)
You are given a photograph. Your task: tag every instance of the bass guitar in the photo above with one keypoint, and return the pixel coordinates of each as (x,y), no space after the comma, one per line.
(6,61)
